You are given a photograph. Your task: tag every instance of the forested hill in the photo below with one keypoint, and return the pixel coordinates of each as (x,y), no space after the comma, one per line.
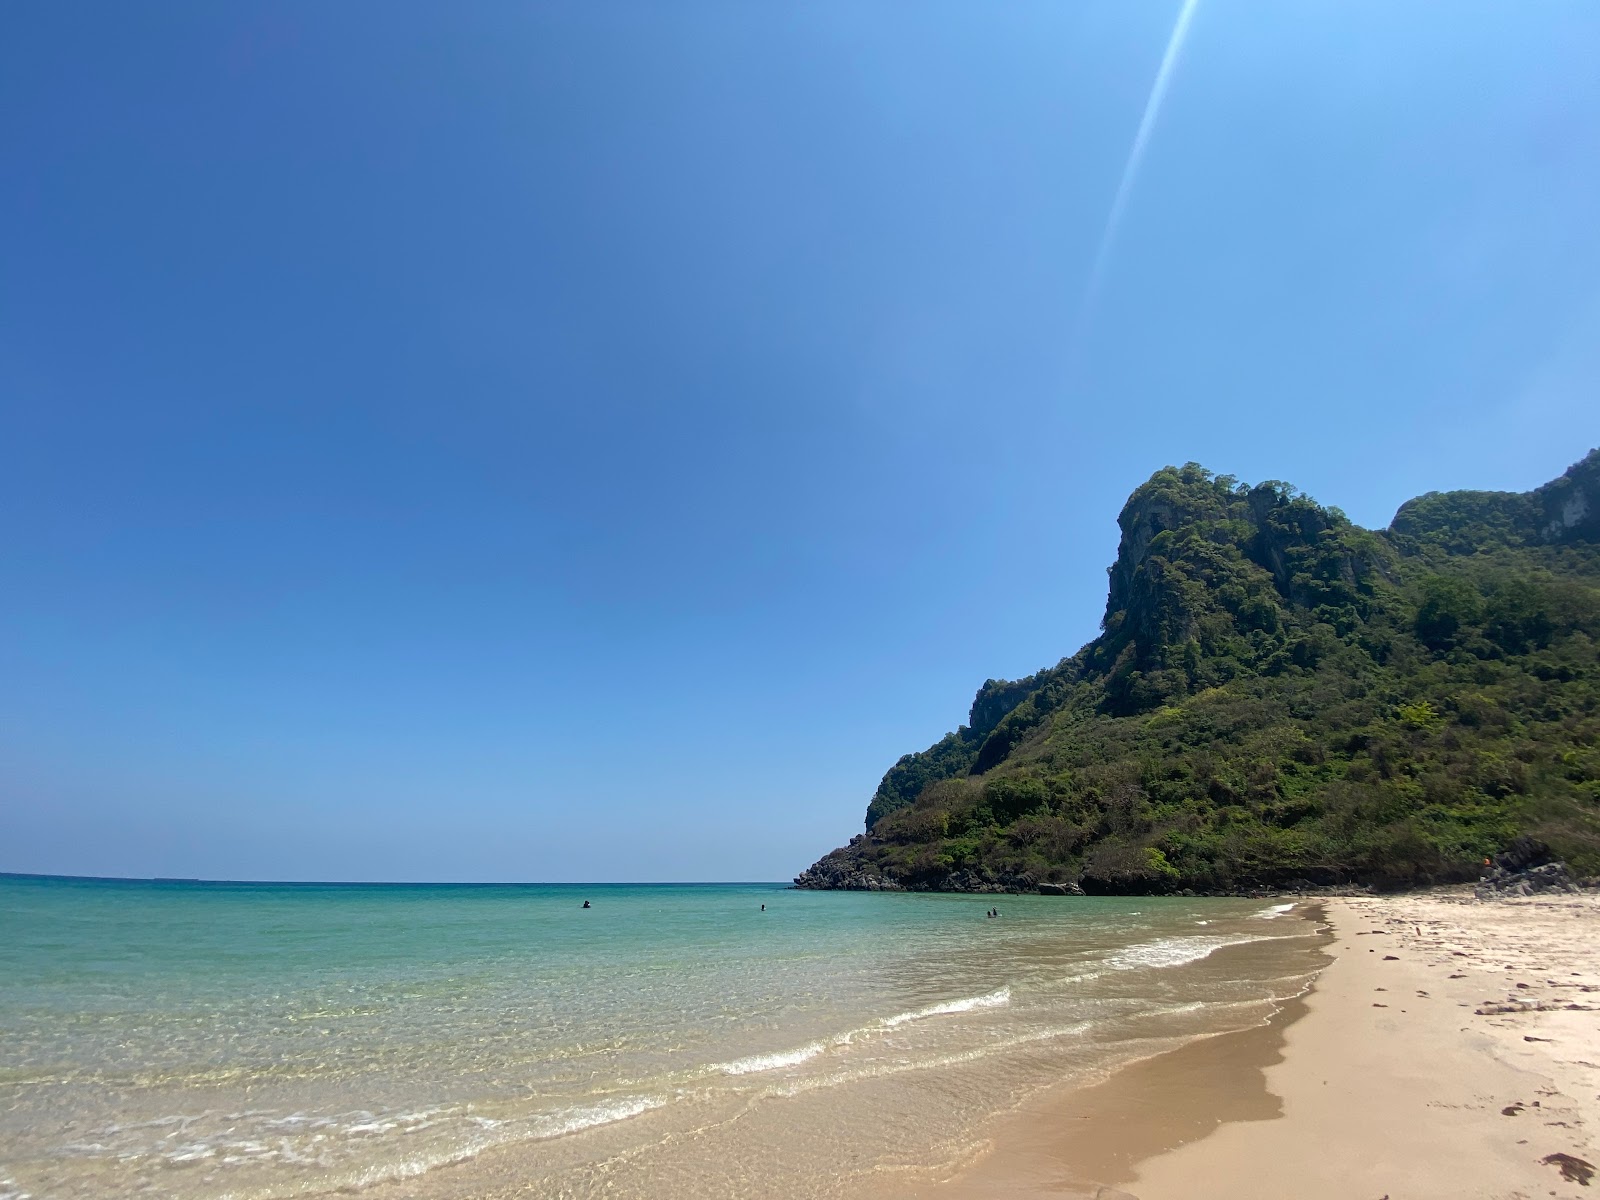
(1277,696)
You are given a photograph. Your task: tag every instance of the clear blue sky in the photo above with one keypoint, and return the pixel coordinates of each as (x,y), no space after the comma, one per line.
(591,440)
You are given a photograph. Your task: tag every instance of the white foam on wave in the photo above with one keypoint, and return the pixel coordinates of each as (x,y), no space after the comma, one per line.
(774,1061)
(587,1116)
(1173,951)
(900,1066)
(999,998)
(756,1063)
(1277,910)
(193,1152)
(500,1133)
(367,1127)
(1084,977)
(305,1139)
(181,1120)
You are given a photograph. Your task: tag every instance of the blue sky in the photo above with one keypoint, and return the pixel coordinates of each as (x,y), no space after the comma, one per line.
(593,441)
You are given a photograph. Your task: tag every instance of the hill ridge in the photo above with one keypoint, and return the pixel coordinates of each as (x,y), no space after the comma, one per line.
(1278,695)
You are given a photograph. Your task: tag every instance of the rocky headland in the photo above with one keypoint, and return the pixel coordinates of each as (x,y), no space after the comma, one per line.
(1280,700)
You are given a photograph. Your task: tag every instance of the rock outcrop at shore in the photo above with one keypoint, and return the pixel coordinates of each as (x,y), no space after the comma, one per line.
(843,871)
(851,869)
(1280,699)
(1524,868)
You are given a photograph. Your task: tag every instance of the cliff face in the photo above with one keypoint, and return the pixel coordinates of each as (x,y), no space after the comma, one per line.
(1210,572)
(1563,511)
(1277,693)
(1569,507)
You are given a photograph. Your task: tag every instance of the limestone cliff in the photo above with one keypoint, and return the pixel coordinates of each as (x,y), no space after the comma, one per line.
(1277,693)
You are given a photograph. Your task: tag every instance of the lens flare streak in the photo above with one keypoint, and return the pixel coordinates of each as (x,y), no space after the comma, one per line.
(1130,170)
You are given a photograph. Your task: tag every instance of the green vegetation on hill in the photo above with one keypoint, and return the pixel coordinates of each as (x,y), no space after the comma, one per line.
(1278,695)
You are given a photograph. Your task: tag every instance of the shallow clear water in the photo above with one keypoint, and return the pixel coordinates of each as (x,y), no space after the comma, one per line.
(210,1040)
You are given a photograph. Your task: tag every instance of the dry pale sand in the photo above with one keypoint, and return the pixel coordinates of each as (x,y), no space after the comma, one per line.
(1395,1077)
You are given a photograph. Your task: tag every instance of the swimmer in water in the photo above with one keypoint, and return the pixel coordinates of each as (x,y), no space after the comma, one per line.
(586,904)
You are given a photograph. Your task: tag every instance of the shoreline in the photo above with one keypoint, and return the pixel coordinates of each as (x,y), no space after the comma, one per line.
(1083,1140)
(1394,1074)
(1416,1046)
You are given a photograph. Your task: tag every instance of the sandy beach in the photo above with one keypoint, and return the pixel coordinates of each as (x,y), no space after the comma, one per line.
(1451,1048)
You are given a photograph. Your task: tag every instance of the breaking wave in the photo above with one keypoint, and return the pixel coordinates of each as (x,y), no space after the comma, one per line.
(1172,951)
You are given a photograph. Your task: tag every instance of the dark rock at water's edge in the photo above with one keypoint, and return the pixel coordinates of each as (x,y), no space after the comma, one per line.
(846,870)
(1281,702)
(843,871)
(1551,877)
(1523,854)
(1524,868)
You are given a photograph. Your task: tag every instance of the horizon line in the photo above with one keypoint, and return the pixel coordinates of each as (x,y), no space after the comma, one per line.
(170,879)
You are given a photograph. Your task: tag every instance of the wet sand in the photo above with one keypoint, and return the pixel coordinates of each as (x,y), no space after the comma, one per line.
(1083,1141)
(1398,1075)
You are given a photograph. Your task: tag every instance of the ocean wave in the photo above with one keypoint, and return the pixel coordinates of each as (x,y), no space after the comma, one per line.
(484,1134)
(778,1059)
(772,1062)
(492,1134)
(1277,910)
(587,1116)
(879,1070)
(1173,951)
(325,1141)
(999,998)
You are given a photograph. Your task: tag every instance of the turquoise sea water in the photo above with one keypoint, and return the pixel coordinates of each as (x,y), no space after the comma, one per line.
(260,1040)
